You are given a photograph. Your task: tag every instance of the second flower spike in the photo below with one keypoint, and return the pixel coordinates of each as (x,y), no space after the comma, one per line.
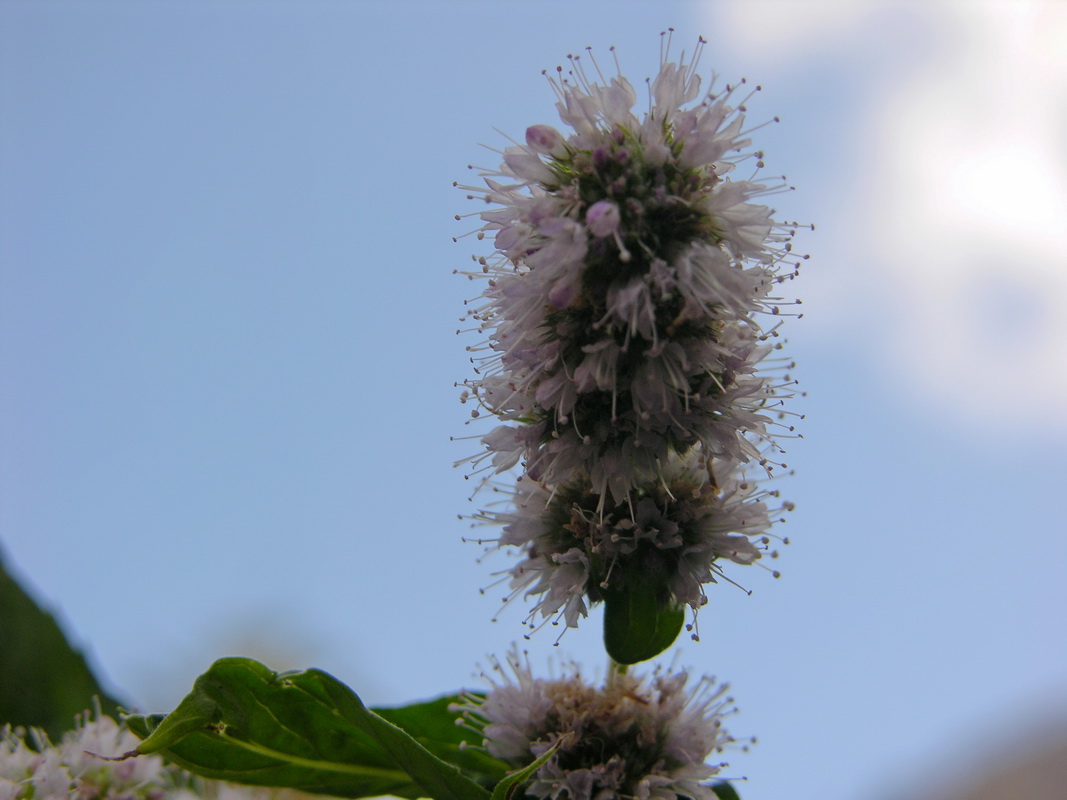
(636,736)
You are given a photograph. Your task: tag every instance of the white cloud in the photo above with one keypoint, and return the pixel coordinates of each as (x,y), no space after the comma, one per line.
(783,30)
(961,200)
(973,209)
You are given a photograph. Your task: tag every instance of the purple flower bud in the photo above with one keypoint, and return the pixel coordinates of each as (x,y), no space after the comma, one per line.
(602,218)
(543,138)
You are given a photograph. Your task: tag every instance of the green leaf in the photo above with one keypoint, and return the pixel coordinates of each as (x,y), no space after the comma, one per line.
(302,730)
(52,679)
(725,791)
(506,789)
(639,622)
(433,726)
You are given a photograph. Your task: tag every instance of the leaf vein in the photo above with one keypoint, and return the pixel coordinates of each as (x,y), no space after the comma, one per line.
(329,766)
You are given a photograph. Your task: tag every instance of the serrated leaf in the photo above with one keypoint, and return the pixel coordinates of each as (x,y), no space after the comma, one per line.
(639,622)
(434,726)
(299,730)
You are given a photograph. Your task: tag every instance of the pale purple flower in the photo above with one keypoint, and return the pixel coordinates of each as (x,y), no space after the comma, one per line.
(76,768)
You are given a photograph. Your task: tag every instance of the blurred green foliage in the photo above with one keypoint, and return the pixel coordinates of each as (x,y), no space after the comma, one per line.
(46,682)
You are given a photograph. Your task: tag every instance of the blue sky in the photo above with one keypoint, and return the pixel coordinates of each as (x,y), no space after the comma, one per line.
(227,354)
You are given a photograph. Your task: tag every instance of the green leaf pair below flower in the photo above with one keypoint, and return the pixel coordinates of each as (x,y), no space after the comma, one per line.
(308,731)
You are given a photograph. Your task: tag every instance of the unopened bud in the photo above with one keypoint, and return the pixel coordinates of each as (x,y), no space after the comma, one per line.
(543,138)
(603,218)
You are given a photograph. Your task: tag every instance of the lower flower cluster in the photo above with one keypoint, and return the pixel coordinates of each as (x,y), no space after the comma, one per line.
(634,737)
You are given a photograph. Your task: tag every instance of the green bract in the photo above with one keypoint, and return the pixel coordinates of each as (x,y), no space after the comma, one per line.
(640,622)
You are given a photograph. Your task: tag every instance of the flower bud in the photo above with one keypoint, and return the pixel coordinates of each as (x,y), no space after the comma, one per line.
(543,138)
(602,218)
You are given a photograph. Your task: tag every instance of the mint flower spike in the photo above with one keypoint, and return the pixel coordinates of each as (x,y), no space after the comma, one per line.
(636,736)
(633,269)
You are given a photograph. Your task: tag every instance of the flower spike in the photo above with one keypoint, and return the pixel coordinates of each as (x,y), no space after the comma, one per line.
(625,316)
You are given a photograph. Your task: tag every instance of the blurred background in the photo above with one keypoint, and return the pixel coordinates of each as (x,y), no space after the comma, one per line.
(227,358)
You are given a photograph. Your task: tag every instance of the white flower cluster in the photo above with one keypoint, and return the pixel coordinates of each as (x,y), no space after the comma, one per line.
(640,737)
(32,768)
(624,323)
